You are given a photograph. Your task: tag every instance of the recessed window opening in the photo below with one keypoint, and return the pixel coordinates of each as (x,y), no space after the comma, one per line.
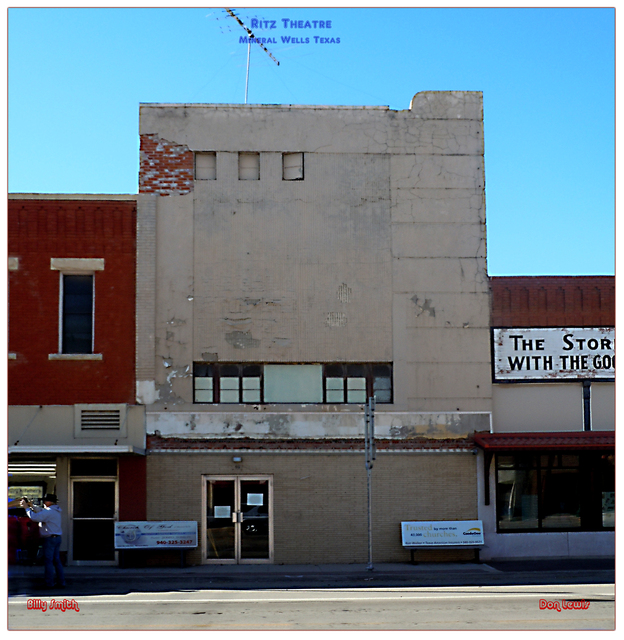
(206,165)
(292,166)
(76,313)
(248,166)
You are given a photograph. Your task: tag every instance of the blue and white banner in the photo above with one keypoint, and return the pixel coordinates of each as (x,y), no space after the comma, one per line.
(442,533)
(156,535)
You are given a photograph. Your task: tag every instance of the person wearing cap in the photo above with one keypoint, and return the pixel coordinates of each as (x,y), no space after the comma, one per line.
(49,519)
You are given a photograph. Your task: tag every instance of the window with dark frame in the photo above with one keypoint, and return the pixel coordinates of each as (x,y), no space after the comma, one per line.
(555,491)
(256,383)
(77,314)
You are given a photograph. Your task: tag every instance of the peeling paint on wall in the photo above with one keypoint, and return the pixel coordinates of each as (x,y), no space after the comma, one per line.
(242,340)
(421,306)
(434,426)
(282,342)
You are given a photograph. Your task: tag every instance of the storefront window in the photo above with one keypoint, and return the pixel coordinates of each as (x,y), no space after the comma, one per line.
(518,498)
(607,481)
(554,491)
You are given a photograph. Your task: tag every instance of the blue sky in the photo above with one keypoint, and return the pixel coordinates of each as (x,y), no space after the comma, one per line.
(76,78)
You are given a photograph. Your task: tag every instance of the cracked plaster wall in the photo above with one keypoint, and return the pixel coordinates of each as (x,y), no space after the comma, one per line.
(392,207)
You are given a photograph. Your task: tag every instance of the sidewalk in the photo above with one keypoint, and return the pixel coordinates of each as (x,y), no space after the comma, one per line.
(27,580)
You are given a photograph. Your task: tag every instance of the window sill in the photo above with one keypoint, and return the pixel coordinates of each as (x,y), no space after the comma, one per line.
(75,356)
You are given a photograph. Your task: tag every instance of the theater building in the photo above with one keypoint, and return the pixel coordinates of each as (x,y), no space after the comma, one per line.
(548,466)
(293,261)
(74,428)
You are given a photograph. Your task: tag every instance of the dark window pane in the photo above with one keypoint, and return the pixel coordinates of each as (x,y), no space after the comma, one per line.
(94,500)
(382,370)
(77,314)
(356,370)
(569,460)
(252,370)
(202,370)
(227,370)
(607,487)
(94,467)
(517,499)
(255,526)
(561,499)
(77,293)
(334,371)
(220,529)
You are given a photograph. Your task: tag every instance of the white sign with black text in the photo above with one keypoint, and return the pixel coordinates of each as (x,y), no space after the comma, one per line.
(554,354)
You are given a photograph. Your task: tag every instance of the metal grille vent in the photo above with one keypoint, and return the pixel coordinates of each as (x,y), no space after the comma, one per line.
(100,419)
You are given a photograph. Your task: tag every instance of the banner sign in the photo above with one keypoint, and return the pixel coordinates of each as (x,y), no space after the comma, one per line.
(553,354)
(443,533)
(155,535)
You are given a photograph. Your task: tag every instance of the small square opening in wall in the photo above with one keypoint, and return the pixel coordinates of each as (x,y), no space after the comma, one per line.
(248,166)
(206,165)
(292,166)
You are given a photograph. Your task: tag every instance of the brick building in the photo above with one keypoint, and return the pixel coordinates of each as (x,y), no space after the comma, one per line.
(203,351)
(548,472)
(293,261)
(74,428)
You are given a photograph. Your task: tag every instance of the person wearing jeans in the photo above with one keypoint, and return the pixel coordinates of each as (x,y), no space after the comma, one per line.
(49,519)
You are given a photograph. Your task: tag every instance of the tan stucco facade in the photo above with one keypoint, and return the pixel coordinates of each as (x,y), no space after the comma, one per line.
(377,255)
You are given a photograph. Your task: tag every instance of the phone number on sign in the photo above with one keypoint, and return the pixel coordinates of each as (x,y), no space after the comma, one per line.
(174,542)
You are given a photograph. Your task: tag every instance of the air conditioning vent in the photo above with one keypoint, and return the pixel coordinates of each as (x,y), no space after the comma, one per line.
(100,419)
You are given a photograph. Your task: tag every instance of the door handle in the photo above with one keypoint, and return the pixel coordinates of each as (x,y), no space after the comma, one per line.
(237,516)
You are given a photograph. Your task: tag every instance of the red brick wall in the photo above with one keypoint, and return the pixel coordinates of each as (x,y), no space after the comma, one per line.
(553,301)
(166,168)
(132,488)
(39,230)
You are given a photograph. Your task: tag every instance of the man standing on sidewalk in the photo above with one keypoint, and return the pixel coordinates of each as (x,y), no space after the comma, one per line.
(49,519)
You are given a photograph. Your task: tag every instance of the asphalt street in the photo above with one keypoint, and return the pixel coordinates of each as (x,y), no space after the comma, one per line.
(488,595)
(528,607)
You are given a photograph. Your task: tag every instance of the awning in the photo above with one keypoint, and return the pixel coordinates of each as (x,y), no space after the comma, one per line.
(76,449)
(492,443)
(553,441)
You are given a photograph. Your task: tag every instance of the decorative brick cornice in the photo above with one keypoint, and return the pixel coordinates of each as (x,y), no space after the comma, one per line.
(553,301)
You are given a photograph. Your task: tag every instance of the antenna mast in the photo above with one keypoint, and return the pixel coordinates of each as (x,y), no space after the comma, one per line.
(251,37)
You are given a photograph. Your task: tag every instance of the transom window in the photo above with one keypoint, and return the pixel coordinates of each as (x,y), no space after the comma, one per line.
(251,383)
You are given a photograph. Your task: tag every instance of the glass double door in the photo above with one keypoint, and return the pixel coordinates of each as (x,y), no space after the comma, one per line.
(239,527)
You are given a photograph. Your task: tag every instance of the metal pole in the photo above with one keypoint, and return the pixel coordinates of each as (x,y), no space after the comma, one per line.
(370,452)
